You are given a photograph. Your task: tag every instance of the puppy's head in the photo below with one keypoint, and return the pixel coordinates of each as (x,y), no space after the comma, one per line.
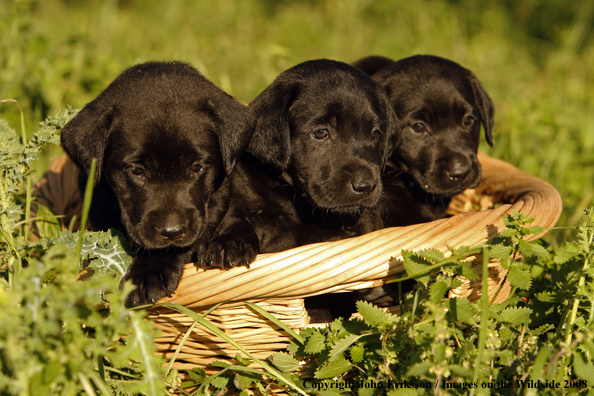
(441,106)
(164,137)
(331,129)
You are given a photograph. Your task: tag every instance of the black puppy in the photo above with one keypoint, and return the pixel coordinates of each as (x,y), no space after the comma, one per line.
(441,105)
(165,138)
(324,132)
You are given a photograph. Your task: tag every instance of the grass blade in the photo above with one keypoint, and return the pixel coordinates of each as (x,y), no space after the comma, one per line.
(86,207)
(276,321)
(484,303)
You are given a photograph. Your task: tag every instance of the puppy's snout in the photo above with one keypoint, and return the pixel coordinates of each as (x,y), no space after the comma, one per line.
(173,232)
(363,186)
(459,170)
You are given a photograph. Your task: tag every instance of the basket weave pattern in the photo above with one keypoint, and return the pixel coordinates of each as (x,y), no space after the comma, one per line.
(279,281)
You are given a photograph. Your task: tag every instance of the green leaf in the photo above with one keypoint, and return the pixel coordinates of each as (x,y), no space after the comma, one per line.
(221,382)
(315,343)
(500,251)
(550,296)
(332,369)
(516,315)
(543,329)
(197,374)
(461,310)
(432,255)
(373,315)
(437,291)
(419,369)
(337,326)
(219,364)
(284,362)
(460,371)
(342,345)
(508,232)
(466,271)
(241,361)
(533,230)
(244,380)
(519,278)
(414,265)
(47,222)
(583,368)
(357,353)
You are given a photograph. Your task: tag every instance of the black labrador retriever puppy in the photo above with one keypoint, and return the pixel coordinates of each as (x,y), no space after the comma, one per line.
(442,106)
(165,139)
(313,173)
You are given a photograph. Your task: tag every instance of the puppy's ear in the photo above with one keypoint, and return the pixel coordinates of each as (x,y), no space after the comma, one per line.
(486,108)
(271,142)
(235,128)
(85,136)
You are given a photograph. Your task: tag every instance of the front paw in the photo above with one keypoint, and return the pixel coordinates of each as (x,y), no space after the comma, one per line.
(231,250)
(154,278)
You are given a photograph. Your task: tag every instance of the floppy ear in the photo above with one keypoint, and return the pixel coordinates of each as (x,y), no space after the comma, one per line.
(271,142)
(486,108)
(235,128)
(85,136)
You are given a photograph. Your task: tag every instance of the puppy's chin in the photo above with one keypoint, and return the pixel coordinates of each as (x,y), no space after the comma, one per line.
(447,187)
(348,209)
(346,202)
(156,243)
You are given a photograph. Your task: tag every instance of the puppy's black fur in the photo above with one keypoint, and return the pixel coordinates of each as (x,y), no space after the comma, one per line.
(324,132)
(441,106)
(165,138)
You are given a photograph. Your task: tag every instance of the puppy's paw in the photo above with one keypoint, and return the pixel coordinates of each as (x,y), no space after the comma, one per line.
(154,278)
(231,250)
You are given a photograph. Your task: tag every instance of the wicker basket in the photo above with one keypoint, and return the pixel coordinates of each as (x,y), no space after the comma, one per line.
(278,282)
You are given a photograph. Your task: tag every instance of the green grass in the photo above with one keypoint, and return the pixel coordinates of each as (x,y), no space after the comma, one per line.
(534,57)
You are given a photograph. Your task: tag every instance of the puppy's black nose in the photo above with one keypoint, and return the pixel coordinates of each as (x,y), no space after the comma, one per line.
(363,186)
(459,170)
(172,232)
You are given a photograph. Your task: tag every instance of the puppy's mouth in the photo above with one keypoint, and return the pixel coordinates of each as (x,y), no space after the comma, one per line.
(348,209)
(448,185)
(346,202)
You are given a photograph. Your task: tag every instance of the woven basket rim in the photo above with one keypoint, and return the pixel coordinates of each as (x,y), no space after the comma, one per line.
(348,264)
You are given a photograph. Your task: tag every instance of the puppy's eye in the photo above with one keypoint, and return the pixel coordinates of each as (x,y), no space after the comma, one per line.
(321,134)
(468,121)
(418,127)
(197,168)
(136,171)
(376,134)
